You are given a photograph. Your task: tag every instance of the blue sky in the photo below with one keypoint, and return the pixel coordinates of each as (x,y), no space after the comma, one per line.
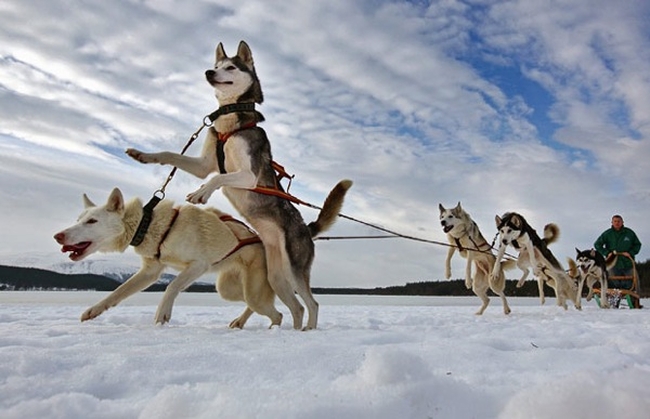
(539,107)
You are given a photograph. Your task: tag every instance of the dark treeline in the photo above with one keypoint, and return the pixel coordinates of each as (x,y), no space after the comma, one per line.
(17,278)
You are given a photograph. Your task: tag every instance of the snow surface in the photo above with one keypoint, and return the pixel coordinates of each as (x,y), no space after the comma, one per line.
(372,357)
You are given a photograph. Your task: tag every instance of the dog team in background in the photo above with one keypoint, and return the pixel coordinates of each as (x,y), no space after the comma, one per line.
(276,255)
(590,266)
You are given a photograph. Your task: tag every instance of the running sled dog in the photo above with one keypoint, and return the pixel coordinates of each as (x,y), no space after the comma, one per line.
(240,154)
(464,235)
(591,267)
(188,238)
(514,230)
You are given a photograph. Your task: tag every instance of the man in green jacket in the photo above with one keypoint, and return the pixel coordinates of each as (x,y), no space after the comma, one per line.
(622,241)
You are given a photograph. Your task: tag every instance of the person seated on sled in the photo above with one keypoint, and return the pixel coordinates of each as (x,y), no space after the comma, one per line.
(623,241)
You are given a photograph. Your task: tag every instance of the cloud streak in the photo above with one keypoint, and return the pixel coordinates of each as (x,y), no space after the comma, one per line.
(536,107)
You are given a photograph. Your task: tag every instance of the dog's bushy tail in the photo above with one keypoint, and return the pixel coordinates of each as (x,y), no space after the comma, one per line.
(573,268)
(551,233)
(611,260)
(331,208)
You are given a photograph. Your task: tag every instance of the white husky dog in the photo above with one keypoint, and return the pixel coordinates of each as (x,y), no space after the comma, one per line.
(515,231)
(190,239)
(464,235)
(240,152)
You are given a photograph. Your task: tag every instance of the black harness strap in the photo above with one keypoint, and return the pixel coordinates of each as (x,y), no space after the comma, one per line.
(145,221)
(221,157)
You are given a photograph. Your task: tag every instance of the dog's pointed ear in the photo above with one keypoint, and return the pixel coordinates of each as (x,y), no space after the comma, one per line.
(115,202)
(244,52)
(592,253)
(220,54)
(458,207)
(497,220)
(441,208)
(87,202)
(577,251)
(516,221)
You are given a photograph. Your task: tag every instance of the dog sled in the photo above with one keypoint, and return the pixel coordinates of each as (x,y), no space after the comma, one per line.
(630,294)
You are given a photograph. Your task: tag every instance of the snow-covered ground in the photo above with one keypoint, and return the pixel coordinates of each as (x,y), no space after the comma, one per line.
(372,357)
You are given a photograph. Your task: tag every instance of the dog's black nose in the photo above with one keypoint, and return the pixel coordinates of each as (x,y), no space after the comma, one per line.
(209,74)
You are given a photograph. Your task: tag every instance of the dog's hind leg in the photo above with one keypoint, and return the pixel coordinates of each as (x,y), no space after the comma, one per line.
(183,280)
(147,275)
(480,287)
(279,275)
(303,289)
(498,286)
(240,321)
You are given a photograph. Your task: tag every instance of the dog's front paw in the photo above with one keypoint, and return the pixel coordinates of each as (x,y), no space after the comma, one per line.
(200,196)
(447,273)
(468,283)
(140,156)
(520,283)
(92,312)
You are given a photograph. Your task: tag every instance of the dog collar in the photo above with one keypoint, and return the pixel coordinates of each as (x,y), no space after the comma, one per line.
(234,107)
(147,214)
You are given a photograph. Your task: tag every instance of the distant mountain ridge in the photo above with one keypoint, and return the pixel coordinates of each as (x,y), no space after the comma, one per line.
(111,267)
(26,278)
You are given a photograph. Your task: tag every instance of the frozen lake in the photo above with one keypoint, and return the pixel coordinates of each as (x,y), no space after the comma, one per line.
(371,357)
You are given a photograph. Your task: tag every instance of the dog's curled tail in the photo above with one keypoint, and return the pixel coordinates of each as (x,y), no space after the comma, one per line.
(551,233)
(610,260)
(573,268)
(331,208)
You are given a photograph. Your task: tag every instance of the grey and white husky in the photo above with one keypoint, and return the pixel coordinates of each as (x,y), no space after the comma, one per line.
(244,164)
(515,231)
(464,235)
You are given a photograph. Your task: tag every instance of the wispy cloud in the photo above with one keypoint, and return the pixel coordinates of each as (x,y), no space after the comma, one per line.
(539,107)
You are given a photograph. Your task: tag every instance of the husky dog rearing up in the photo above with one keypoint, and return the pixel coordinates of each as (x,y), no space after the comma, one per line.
(246,163)
(464,235)
(514,230)
(591,267)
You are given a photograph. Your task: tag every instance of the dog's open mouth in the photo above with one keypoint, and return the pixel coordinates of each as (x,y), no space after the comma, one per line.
(447,228)
(77,250)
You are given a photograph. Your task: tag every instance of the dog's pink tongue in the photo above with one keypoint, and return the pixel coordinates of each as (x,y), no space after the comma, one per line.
(76,249)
